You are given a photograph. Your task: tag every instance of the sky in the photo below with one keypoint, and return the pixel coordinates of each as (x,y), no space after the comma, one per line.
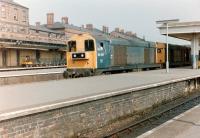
(138,16)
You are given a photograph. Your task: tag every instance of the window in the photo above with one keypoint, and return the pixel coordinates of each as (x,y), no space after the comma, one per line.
(16,14)
(3,11)
(101,44)
(89,45)
(102,47)
(24,16)
(72,46)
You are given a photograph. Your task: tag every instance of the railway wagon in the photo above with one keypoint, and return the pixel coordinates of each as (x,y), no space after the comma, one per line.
(90,54)
(178,55)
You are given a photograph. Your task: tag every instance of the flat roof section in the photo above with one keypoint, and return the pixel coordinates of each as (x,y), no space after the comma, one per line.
(181,30)
(185,125)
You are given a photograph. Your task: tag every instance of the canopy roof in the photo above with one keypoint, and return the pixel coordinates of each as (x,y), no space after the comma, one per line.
(181,30)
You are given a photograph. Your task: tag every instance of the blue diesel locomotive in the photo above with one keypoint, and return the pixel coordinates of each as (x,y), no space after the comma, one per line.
(93,54)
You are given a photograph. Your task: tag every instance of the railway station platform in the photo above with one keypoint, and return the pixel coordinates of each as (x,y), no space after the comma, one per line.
(74,107)
(186,125)
(12,76)
(15,72)
(73,91)
(29,68)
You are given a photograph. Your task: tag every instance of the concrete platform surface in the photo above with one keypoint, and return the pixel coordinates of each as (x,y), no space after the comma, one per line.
(39,96)
(31,72)
(186,125)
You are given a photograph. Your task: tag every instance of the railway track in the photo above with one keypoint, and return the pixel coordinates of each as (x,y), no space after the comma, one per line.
(170,111)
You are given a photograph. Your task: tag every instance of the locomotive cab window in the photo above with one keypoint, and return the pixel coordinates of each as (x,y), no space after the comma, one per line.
(72,46)
(89,45)
(102,46)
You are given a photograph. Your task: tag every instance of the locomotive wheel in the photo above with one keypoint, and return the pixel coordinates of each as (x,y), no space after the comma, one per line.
(87,74)
(66,74)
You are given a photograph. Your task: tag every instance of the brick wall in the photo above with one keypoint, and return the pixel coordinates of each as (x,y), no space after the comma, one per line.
(95,116)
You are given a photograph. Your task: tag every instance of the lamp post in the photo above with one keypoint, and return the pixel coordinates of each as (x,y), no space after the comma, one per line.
(166,23)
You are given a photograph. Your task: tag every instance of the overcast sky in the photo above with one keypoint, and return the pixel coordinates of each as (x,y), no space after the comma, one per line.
(138,16)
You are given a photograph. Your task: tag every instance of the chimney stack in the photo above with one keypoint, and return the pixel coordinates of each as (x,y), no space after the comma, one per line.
(105,29)
(117,30)
(82,26)
(122,31)
(65,20)
(89,26)
(37,24)
(129,33)
(50,19)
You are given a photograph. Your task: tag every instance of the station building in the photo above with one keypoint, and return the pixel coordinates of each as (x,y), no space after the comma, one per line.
(19,40)
(41,43)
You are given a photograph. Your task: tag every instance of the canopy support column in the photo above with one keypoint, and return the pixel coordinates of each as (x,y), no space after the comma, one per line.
(195,51)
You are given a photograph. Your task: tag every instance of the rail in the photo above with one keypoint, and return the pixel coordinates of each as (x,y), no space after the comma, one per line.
(152,119)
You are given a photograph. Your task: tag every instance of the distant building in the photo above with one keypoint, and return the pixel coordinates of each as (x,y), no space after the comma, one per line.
(69,29)
(63,26)
(19,40)
(119,33)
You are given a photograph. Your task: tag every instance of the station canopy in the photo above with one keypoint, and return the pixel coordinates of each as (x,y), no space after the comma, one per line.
(189,31)
(182,30)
